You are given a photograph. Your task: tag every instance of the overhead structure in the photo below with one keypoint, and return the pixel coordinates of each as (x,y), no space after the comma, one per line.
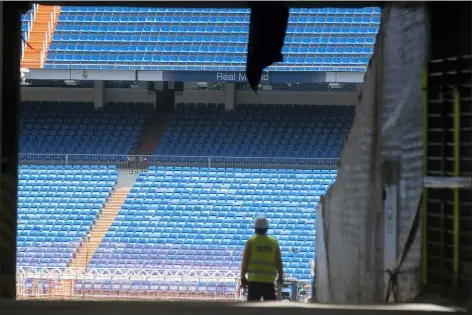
(447,213)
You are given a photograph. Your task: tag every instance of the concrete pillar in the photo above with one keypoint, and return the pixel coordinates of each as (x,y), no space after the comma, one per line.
(230,96)
(99,94)
(10,25)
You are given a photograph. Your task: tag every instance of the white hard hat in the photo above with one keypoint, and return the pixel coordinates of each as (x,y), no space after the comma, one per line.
(261,223)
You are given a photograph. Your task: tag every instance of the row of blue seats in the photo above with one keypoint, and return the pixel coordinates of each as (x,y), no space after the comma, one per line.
(206,185)
(76,118)
(197,58)
(222,170)
(294,111)
(110,9)
(53,180)
(71,241)
(249,144)
(255,123)
(84,167)
(98,150)
(204,59)
(281,160)
(238,129)
(56,157)
(92,123)
(178,221)
(278,186)
(216,39)
(332,152)
(259,119)
(261,133)
(247,136)
(211,19)
(111,144)
(231,226)
(55,174)
(62,141)
(73,195)
(248,149)
(213,29)
(223,49)
(62,209)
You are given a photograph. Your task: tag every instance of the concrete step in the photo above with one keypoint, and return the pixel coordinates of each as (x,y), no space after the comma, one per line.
(101,227)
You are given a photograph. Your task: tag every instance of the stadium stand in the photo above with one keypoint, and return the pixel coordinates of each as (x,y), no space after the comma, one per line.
(178,217)
(57,206)
(210,39)
(200,218)
(79,128)
(174,218)
(256,131)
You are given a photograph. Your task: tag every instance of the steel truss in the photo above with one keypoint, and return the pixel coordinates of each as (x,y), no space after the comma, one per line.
(173,275)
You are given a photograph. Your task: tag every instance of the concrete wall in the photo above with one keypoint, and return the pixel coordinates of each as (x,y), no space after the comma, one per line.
(86,94)
(270,97)
(188,96)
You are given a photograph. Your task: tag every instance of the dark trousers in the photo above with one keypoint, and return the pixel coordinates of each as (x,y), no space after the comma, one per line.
(258,290)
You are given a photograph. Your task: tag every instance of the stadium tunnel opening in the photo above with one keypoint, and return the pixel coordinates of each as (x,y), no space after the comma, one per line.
(168,84)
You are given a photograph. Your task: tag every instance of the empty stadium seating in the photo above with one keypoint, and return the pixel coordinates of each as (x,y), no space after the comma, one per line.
(256,131)
(207,39)
(79,128)
(200,218)
(57,206)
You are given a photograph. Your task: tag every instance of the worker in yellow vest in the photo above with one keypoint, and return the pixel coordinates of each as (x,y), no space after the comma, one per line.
(261,261)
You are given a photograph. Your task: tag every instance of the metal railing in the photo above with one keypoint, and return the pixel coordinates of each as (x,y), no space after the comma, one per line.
(174,284)
(142,162)
(199,67)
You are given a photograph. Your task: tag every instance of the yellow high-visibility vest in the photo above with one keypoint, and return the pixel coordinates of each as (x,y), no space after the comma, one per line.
(262,266)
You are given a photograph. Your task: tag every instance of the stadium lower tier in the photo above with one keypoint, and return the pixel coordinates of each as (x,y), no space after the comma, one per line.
(57,207)
(200,218)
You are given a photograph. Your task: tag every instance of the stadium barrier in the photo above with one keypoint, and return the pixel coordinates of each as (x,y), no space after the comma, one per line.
(159,66)
(141,162)
(116,283)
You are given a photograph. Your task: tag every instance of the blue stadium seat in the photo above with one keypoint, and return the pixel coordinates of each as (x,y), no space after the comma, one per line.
(202,29)
(57,206)
(182,234)
(199,131)
(53,128)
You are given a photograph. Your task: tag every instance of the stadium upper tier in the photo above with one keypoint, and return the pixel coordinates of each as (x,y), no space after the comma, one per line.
(79,128)
(200,218)
(207,39)
(57,206)
(256,131)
